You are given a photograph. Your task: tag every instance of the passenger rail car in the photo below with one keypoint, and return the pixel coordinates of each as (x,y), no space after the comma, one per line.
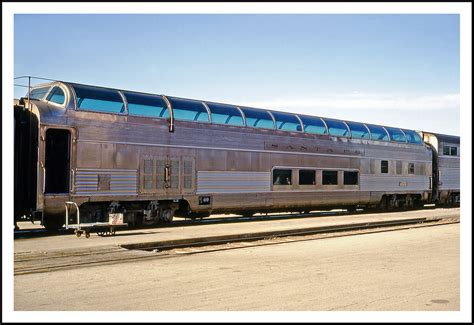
(152,157)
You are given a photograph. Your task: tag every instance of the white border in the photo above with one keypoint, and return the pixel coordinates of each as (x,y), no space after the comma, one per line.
(463,9)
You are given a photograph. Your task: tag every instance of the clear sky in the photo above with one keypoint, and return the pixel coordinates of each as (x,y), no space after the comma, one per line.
(397,70)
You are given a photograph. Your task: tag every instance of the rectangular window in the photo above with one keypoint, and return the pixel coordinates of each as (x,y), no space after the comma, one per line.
(446,150)
(329,177)
(351,178)
(282,177)
(307,177)
(411,168)
(454,151)
(384,166)
(450,151)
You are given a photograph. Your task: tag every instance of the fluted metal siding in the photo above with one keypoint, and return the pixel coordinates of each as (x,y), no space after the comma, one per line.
(232,182)
(388,183)
(449,178)
(122,181)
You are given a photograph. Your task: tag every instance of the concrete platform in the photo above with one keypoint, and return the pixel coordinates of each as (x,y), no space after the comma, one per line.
(69,241)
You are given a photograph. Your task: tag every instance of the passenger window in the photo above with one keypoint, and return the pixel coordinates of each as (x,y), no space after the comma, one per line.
(446,150)
(307,177)
(56,96)
(282,177)
(384,166)
(453,151)
(378,133)
(411,168)
(98,99)
(412,136)
(38,93)
(358,130)
(337,128)
(396,134)
(313,125)
(225,114)
(258,118)
(287,122)
(351,178)
(146,105)
(188,110)
(329,177)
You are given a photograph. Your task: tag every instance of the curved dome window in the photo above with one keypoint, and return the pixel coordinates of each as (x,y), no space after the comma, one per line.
(287,122)
(56,95)
(188,110)
(337,128)
(38,93)
(313,125)
(98,99)
(225,114)
(396,135)
(378,132)
(358,130)
(257,118)
(146,105)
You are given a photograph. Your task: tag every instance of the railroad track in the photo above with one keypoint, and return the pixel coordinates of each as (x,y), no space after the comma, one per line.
(34,233)
(29,263)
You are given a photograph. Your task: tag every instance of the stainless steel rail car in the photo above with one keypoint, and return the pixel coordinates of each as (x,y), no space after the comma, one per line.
(152,157)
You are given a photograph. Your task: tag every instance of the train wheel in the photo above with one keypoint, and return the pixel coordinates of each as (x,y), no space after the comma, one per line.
(167,215)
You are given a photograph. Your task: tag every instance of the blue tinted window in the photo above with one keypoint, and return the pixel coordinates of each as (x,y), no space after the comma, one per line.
(225,114)
(337,128)
(412,136)
(98,99)
(146,105)
(396,134)
(358,130)
(313,125)
(378,132)
(258,118)
(286,122)
(188,110)
(56,96)
(38,93)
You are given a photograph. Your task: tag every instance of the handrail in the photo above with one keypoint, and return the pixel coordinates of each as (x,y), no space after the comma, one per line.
(67,213)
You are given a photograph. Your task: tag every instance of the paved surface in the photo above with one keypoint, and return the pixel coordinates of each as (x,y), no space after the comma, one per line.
(69,241)
(405,270)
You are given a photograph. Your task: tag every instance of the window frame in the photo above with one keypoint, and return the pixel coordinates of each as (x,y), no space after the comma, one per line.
(382,167)
(206,109)
(50,92)
(76,100)
(165,109)
(307,170)
(356,178)
(328,121)
(299,123)
(209,106)
(329,171)
(286,169)
(256,110)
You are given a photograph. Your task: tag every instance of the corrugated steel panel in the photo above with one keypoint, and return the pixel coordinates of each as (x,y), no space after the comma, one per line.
(122,181)
(232,182)
(397,183)
(449,178)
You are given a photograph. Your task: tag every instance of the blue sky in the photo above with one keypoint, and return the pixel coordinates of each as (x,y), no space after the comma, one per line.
(398,70)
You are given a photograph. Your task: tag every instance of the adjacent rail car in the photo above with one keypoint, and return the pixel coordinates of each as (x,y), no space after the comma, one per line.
(153,157)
